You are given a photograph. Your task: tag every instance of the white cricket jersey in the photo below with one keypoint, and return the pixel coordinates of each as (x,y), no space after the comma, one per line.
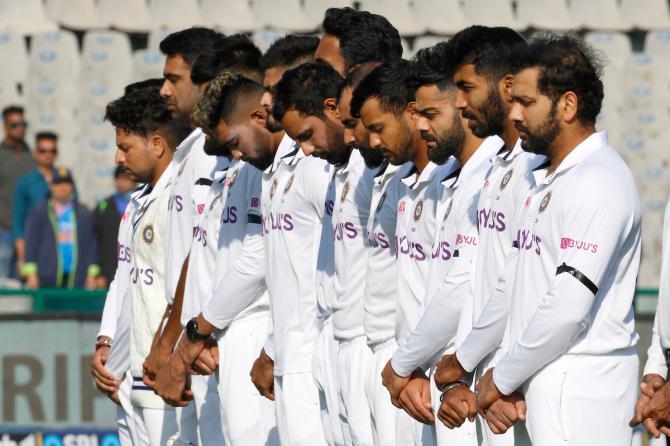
(382,272)
(660,340)
(147,282)
(415,236)
(456,240)
(193,170)
(293,204)
(353,194)
(500,203)
(579,253)
(119,285)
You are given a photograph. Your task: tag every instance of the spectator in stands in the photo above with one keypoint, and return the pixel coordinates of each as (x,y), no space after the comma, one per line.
(15,160)
(107,219)
(61,249)
(33,188)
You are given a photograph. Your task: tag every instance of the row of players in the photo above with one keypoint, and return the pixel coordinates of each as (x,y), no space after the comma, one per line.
(374,227)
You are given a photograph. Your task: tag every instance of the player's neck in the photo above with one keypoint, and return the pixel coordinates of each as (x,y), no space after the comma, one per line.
(276,139)
(565,143)
(510,134)
(470,146)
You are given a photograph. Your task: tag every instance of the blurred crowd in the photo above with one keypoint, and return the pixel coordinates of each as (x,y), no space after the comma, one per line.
(47,237)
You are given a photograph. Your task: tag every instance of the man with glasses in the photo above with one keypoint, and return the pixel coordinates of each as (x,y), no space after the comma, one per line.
(15,160)
(33,188)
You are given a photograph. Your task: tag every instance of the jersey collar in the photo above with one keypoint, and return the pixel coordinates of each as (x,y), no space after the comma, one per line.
(426,176)
(191,138)
(354,160)
(489,149)
(287,148)
(594,142)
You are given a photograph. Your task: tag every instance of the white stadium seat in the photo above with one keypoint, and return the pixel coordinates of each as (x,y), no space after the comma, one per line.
(316,9)
(544,14)
(147,64)
(657,44)
(441,16)
(615,45)
(25,17)
(237,15)
(646,14)
(76,14)
(427,41)
(287,14)
(15,57)
(399,12)
(126,15)
(9,93)
(95,95)
(264,38)
(490,12)
(156,36)
(106,56)
(597,15)
(54,56)
(407,50)
(175,13)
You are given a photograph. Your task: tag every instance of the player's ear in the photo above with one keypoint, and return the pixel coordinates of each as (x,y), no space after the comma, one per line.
(505,87)
(330,105)
(259,116)
(157,144)
(568,106)
(411,108)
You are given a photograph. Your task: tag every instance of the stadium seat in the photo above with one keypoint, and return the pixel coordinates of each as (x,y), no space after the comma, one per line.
(156,36)
(543,14)
(106,57)
(316,9)
(54,57)
(237,15)
(147,64)
(175,13)
(76,14)
(95,182)
(657,44)
(15,57)
(597,15)
(646,14)
(287,14)
(264,38)
(427,41)
(63,123)
(489,12)
(441,16)
(126,15)
(25,17)
(399,12)
(615,45)
(94,95)
(9,93)
(407,50)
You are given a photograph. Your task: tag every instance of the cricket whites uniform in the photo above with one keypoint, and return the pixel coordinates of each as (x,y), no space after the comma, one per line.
(155,421)
(500,203)
(572,332)
(351,208)
(380,291)
(225,282)
(415,235)
(293,211)
(448,301)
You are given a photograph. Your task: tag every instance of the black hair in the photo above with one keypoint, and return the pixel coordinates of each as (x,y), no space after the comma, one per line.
(491,50)
(234,53)
(191,43)
(46,135)
(11,109)
(221,98)
(364,37)
(142,111)
(356,76)
(565,64)
(304,88)
(289,51)
(390,83)
(430,66)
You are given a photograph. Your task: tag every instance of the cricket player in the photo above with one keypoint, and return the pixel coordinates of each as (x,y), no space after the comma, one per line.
(572,335)
(385,101)
(146,136)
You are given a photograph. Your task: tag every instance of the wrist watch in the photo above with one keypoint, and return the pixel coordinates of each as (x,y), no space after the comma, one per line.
(192,331)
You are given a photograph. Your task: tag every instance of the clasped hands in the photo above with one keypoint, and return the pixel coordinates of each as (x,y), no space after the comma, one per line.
(458,402)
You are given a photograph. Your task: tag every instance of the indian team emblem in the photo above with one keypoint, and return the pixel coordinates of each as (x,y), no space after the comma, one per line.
(545,201)
(217,198)
(506,179)
(381,201)
(289,183)
(418,210)
(148,234)
(446,214)
(345,191)
(273,188)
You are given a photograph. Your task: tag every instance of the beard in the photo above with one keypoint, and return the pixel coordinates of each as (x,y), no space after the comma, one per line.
(372,157)
(214,148)
(273,125)
(492,114)
(450,143)
(538,141)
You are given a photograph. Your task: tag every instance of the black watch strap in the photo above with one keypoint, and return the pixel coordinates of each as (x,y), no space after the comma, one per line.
(192,331)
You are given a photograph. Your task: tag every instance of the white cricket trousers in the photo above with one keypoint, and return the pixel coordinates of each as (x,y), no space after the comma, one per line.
(466,435)
(324,371)
(247,417)
(125,415)
(298,410)
(353,364)
(382,412)
(581,400)
(154,426)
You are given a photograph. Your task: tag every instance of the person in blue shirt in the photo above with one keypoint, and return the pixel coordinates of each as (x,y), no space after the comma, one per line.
(61,247)
(33,188)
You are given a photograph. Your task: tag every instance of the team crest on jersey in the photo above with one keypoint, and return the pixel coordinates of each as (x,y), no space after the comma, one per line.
(418,210)
(381,201)
(545,201)
(231,179)
(446,214)
(273,188)
(345,191)
(506,178)
(401,208)
(289,183)
(148,234)
(217,198)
